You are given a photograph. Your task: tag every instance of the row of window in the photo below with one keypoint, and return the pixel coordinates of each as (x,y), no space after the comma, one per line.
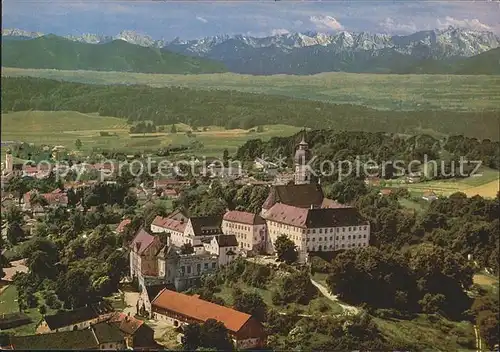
(198,267)
(237,226)
(337,229)
(336,238)
(331,247)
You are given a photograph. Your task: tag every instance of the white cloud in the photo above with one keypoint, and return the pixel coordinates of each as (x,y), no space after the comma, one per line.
(279,31)
(326,22)
(474,24)
(390,26)
(201,19)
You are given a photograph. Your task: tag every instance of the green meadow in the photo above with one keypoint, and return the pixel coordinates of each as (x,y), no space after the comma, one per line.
(65,127)
(380,91)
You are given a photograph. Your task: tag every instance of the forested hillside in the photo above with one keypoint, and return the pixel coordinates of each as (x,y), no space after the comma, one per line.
(62,54)
(232,109)
(379,147)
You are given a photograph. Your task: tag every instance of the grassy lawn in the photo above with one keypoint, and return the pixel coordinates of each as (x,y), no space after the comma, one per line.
(487,281)
(65,127)
(319,305)
(436,335)
(380,91)
(8,299)
(418,206)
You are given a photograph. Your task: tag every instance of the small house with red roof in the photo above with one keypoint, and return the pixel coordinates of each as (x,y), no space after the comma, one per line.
(121,226)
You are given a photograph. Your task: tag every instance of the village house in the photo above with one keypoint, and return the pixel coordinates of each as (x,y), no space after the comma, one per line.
(248,228)
(121,226)
(385,192)
(429,196)
(53,199)
(136,332)
(77,319)
(184,229)
(265,166)
(170,193)
(169,183)
(100,336)
(178,310)
(217,169)
(225,247)
(317,229)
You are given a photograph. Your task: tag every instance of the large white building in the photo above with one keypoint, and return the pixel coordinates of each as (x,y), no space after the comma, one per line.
(317,229)
(248,228)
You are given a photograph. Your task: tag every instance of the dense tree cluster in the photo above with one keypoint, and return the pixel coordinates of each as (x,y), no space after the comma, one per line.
(202,201)
(166,106)
(425,278)
(383,149)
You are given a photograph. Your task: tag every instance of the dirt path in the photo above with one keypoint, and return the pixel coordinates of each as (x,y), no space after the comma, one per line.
(351,310)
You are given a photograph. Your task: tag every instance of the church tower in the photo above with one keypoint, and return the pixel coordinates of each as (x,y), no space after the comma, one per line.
(302,157)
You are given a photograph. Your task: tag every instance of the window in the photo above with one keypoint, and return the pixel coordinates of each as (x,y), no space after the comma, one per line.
(331,238)
(314,231)
(337,238)
(337,229)
(349,228)
(198,267)
(321,238)
(364,228)
(349,237)
(343,237)
(359,236)
(343,229)
(307,240)
(314,239)
(364,236)
(189,269)
(213,265)
(320,231)
(205,265)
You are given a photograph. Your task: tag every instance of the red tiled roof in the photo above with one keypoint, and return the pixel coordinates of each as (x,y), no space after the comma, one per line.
(170,192)
(141,241)
(170,224)
(243,217)
(52,198)
(121,225)
(314,218)
(200,310)
(170,182)
(385,191)
(126,323)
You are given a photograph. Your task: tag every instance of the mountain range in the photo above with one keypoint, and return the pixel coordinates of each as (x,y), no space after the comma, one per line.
(53,52)
(434,51)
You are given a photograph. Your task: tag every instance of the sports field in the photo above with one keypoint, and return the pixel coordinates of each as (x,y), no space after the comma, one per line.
(380,91)
(65,127)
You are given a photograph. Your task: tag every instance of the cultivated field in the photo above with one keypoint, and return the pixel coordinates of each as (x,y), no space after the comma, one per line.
(65,127)
(381,91)
(486,184)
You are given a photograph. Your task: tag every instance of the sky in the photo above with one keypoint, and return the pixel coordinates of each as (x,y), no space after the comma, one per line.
(192,19)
